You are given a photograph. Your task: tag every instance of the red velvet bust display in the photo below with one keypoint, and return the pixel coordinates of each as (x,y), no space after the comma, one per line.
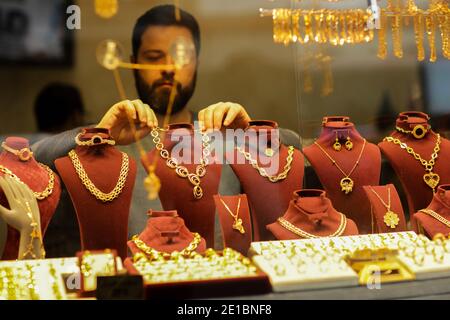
(36,177)
(367,172)
(233,238)
(311,211)
(379,210)
(267,200)
(409,170)
(103,225)
(176,193)
(428,225)
(154,234)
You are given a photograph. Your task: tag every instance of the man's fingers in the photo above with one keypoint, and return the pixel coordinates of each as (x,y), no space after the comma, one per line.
(208,119)
(219,114)
(129,109)
(141,113)
(231,115)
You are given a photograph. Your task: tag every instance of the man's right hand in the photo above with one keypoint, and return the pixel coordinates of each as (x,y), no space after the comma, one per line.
(117,120)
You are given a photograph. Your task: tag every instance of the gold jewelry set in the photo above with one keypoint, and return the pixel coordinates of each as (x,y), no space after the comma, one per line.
(419,131)
(303,234)
(390,218)
(425,21)
(182,171)
(337,146)
(347,184)
(430,178)
(337,27)
(262,172)
(212,265)
(95,140)
(237,222)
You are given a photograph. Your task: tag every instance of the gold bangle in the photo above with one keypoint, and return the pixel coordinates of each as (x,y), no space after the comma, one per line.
(419,131)
(23,154)
(94,141)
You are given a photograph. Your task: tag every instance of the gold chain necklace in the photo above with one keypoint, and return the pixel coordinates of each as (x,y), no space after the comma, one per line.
(105,197)
(263,172)
(154,254)
(38,195)
(182,171)
(430,178)
(237,224)
(346,183)
(437,216)
(390,218)
(296,230)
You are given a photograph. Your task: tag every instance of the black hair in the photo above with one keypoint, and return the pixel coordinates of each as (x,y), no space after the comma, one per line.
(56,104)
(164,15)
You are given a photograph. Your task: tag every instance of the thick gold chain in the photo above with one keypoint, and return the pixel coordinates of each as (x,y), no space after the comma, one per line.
(38,195)
(437,216)
(263,172)
(182,171)
(105,197)
(427,164)
(296,230)
(154,254)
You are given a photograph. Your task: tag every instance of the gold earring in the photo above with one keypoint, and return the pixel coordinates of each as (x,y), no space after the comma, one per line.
(348,143)
(337,145)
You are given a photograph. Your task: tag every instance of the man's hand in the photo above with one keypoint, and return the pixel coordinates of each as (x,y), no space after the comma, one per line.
(117,121)
(227,114)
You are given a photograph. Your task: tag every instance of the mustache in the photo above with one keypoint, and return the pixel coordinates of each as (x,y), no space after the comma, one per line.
(165,80)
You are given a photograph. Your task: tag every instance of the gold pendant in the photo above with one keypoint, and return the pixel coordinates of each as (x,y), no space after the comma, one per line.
(391,219)
(347,185)
(237,225)
(269,152)
(152,184)
(431,179)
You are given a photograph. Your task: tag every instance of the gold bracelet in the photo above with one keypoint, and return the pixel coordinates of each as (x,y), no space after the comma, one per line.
(419,131)
(94,141)
(23,154)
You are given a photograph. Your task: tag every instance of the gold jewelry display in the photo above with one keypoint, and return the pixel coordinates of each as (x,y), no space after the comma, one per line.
(349,143)
(210,266)
(34,235)
(419,131)
(430,178)
(436,216)
(182,171)
(237,224)
(390,218)
(263,172)
(296,230)
(94,141)
(38,195)
(382,38)
(346,183)
(100,195)
(430,25)
(23,154)
(337,145)
(154,254)
(418,34)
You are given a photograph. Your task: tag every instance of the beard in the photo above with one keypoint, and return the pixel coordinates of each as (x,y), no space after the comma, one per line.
(157,97)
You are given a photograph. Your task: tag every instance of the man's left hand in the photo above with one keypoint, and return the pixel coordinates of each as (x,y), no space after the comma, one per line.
(223,114)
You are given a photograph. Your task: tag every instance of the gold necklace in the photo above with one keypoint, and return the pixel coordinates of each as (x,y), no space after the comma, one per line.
(105,197)
(182,171)
(263,172)
(390,218)
(346,183)
(237,224)
(35,234)
(23,154)
(296,230)
(430,178)
(38,195)
(419,131)
(437,216)
(154,254)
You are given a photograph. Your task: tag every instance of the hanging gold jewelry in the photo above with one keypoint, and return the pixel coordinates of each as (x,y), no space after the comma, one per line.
(418,34)
(382,39)
(237,223)
(182,171)
(397,33)
(153,254)
(90,186)
(346,183)
(337,145)
(106,8)
(430,178)
(34,235)
(38,195)
(303,234)
(431,26)
(152,183)
(349,143)
(390,218)
(262,172)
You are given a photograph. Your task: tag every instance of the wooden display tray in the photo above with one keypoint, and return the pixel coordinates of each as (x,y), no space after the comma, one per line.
(252,285)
